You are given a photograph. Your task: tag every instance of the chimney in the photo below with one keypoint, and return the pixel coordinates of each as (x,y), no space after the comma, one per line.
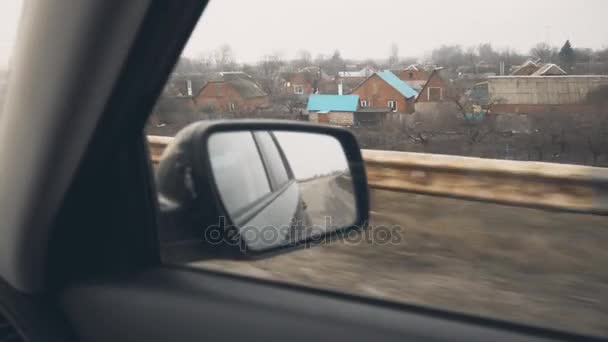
(189,85)
(340,88)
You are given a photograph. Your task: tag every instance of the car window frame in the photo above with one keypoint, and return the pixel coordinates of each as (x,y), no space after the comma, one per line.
(142,187)
(269,181)
(245,214)
(266,160)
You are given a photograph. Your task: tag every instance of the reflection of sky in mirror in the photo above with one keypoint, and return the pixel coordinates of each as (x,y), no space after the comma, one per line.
(311,154)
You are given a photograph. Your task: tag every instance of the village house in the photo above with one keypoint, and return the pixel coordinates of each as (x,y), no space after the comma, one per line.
(332,109)
(531,68)
(415,76)
(543,94)
(351,79)
(307,81)
(384,90)
(435,89)
(188,84)
(438,95)
(230,92)
(343,110)
(363,73)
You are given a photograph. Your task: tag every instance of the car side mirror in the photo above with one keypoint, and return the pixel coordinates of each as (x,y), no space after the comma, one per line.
(253,187)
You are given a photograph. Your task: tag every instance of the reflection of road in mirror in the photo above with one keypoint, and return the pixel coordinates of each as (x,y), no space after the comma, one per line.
(329,200)
(319,165)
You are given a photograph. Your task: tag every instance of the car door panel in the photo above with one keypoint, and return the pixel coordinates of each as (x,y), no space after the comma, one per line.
(275,219)
(183,304)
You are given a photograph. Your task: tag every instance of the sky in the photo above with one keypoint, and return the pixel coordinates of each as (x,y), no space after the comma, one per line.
(311,154)
(366,29)
(10,14)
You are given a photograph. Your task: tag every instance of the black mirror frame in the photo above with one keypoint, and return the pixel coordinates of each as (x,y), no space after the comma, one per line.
(208,196)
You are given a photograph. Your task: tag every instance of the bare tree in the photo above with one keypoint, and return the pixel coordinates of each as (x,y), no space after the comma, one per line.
(303,59)
(224,58)
(449,56)
(544,52)
(269,74)
(477,125)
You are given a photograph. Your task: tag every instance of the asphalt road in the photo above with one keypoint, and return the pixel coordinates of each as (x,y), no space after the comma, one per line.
(328,200)
(534,266)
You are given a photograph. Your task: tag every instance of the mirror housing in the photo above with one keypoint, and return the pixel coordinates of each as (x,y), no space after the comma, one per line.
(194,219)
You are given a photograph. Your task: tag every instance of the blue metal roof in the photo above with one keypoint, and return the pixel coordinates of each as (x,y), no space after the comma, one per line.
(396,83)
(332,103)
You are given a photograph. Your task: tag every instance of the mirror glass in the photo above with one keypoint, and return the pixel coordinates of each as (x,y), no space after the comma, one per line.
(282,187)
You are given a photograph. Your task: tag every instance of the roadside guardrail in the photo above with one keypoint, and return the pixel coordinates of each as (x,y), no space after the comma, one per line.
(532,184)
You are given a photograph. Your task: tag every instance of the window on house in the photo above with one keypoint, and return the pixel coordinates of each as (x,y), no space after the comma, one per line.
(411,75)
(298,89)
(434,94)
(232,107)
(364,103)
(392,105)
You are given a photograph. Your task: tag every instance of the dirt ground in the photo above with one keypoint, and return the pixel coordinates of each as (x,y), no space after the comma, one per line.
(539,267)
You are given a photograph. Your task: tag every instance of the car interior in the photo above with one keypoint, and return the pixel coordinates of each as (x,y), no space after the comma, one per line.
(83,231)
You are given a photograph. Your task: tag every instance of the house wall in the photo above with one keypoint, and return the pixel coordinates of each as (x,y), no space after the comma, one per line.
(544,90)
(425,107)
(334,118)
(220,95)
(341,118)
(515,123)
(378,93)
(543,108)
(313,117)
(434,82)
(303,79)
(412,75)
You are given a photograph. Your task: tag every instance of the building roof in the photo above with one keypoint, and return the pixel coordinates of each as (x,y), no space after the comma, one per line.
(332,103)
(511,77)
(242,83)
(363,73)
(247,88)
(550,70)
(316,70)
(397,83)
(528,68)
(415,84)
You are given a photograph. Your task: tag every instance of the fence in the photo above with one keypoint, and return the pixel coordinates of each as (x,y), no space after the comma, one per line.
(533,184)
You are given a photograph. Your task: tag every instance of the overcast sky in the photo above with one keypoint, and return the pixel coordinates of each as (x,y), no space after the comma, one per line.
(10,11)
(312,154)
(361,29)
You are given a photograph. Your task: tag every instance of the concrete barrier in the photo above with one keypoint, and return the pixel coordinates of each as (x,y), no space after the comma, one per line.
(532,184)
(157,145)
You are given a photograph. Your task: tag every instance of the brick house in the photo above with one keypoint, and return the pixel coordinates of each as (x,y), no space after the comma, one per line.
(435,89)
(384,90)
(332,109)
(415,76)
(307,81)
(353,78)
(232,91)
